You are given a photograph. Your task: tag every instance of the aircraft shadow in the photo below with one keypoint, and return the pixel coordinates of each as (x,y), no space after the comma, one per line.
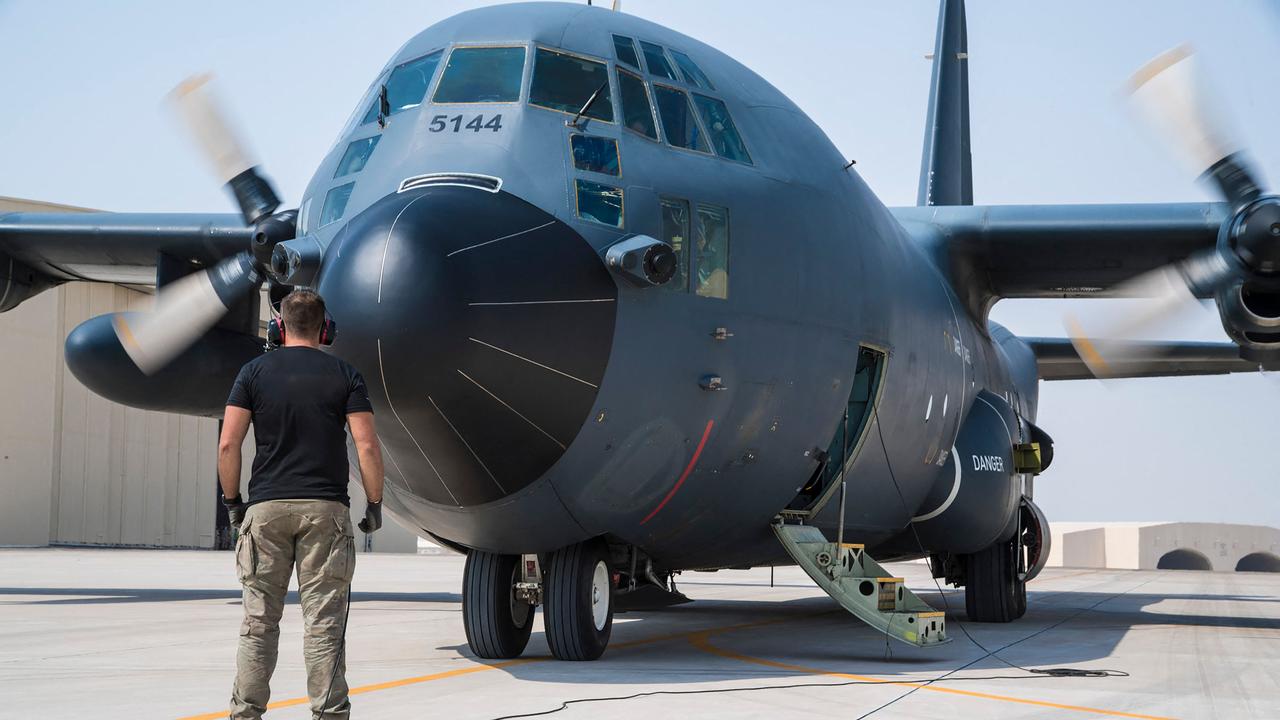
(1061,628)
(109,596)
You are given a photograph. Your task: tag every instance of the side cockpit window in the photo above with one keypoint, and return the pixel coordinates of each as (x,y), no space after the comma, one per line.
(482,75)
(335,203)
(595,154)
(675,232)
(711,256)
(599,203)
(356,156)
(724,134)
(625,50)
(637,113)
(406,86)
(679,125)
(569,83)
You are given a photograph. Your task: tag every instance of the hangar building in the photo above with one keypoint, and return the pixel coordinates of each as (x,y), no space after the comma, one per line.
(1222,547)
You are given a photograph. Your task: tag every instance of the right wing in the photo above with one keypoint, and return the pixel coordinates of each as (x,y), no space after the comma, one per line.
(1058,359)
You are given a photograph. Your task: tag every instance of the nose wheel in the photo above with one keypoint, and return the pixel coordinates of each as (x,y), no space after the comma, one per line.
(578,602)
(496,620)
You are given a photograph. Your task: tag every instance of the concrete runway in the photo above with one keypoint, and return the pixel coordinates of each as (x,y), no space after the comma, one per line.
(152,634)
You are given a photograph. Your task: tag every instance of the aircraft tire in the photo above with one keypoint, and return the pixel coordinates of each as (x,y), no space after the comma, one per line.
(578,601)
(497,624)
(992,592)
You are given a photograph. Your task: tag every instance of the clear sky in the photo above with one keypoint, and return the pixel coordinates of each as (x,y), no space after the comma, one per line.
(81,123)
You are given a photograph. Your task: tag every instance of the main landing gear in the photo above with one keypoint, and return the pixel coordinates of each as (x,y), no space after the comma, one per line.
(499,593)
(996,578)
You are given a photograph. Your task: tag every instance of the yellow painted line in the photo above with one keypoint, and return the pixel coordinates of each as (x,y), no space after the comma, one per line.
(391,684)
(701,640)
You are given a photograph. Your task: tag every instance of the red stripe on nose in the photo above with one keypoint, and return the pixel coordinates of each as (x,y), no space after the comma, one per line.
(688,469)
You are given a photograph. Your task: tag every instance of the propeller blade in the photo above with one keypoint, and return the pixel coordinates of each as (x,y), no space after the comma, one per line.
(185,310)
(194,102)
(1172,98)
(1109,343)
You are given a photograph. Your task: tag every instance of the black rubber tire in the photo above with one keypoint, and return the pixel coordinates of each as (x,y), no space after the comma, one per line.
(992,592)
(490,614)
(567,612)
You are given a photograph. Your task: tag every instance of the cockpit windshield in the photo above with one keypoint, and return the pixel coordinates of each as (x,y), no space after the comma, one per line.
(406,86)
(482,75)
(568,83)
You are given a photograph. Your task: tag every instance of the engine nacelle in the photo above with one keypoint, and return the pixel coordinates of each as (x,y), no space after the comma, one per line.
(18,281)
(1250,312)
(195,383)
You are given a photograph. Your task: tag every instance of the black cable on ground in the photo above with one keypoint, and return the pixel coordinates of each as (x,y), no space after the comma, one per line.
(1034,672)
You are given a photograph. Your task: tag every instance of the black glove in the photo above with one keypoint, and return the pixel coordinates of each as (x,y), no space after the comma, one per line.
(235,511)
(372,517)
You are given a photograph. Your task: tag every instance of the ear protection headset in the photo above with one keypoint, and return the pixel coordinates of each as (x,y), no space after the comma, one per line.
(276,330)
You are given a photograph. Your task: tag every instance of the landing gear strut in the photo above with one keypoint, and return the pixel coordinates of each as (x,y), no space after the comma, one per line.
(578,602)
(496,619)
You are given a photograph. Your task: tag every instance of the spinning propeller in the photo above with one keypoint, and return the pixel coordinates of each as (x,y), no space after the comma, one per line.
(188,307)
(1169,94)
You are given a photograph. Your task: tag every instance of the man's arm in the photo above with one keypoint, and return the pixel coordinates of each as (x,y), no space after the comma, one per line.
(370,452)
(235,425)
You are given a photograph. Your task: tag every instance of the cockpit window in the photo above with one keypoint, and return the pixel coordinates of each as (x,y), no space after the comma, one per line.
(599,203)
(406,86)
(595,154)
(691,72)
(567,83)
(724,134)
(482,75)
(656,61)
(356,155)
(625,49)
(678,123)
(335,203)
(637,114)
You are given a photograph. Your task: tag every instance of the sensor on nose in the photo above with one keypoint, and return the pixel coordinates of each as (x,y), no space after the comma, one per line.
(642,260)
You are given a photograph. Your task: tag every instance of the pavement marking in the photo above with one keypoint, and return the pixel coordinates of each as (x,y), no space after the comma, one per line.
(391,684)
(702,641)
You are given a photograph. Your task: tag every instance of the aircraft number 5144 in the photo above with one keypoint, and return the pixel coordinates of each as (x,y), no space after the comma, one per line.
(440,123)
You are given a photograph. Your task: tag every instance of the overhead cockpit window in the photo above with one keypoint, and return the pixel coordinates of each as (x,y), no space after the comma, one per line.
(482,75)
(569,83)
(595,154)
(678,124)
(335,204)
(656,61)
(406,86)
(691,72)
(724,134)
(357,154)
(712,252)
(675,232)
(637,114)
(599,203)
(625,49)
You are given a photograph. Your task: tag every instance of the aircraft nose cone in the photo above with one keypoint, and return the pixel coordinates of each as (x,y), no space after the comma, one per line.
(482,326)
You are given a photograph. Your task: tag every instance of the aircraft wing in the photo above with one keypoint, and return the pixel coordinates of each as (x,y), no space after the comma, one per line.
(39,250)
(1058,251)
(1057,359)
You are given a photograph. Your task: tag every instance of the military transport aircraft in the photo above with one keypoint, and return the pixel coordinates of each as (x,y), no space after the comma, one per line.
(625,310)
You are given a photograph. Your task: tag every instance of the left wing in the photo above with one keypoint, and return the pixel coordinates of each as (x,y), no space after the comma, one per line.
(1058,359)
(41,250)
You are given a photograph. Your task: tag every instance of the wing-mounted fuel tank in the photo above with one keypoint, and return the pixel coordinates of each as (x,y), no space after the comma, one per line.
(976,496)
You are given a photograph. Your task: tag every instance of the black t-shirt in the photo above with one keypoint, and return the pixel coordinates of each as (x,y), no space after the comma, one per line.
(300,398)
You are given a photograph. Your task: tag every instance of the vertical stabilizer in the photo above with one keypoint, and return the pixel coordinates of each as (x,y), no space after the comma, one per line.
(946,170)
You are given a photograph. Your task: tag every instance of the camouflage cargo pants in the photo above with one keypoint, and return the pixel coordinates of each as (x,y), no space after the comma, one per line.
(316,537)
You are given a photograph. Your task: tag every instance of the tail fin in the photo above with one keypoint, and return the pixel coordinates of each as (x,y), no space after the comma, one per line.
(946,169)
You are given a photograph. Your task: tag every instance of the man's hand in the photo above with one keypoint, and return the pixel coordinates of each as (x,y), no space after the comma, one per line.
(235,511)
(372,517)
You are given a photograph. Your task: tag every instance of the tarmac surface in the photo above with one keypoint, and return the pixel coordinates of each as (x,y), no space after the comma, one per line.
(152,634)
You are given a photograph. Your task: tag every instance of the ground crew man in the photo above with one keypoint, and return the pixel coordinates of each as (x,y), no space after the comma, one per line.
(299,400)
